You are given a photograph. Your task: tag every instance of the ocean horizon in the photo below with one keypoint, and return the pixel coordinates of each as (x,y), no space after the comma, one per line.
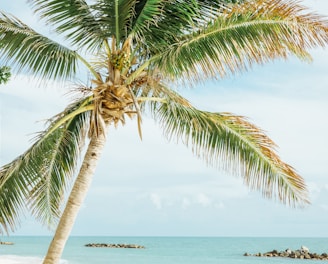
(160,250)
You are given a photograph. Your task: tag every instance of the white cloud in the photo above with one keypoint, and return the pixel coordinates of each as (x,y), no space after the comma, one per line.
(156,200)
(219,205)
(324,207)
(185,203)
(203,200)
(314,190)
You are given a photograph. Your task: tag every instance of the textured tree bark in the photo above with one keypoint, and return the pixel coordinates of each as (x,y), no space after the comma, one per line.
(75,200)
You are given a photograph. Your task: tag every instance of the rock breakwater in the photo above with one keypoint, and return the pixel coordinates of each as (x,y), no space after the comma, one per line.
(302,253)
(6,243)
(114,245)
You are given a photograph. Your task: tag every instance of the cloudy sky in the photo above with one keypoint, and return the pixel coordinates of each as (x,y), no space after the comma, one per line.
(155,187)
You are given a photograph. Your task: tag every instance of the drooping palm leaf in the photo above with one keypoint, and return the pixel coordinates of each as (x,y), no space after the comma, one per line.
(13,194)
(234,144)
(25,49)
(42,174)
(253,32)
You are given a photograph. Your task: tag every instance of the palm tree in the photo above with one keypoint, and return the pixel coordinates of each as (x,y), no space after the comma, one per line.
(137,53)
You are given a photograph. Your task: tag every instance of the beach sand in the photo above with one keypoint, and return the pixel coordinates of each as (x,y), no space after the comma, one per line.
(11,259)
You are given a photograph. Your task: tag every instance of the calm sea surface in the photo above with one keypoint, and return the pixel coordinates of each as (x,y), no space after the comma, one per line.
(159,250)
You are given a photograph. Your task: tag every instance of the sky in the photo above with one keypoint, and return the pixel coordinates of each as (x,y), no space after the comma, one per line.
(155,187)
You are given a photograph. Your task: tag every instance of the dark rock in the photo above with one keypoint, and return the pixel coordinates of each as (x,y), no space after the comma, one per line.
(304,249)
(302,253)
(6,243)
(114,245)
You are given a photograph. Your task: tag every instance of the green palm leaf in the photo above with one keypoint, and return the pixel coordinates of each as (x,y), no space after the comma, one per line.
(232,143)
(245,35)
(75,18)
(41,175)
(25,49)
(179,16)
(13,194)
(146,14)
(182,17)
(115,17)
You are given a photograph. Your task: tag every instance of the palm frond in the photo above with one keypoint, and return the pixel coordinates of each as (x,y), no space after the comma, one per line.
(115,17)
(40,176)
(147,12)
(13,194)
(182,16)
(234,144)
(74,18)
(25,49)
(179,16)
(252,32)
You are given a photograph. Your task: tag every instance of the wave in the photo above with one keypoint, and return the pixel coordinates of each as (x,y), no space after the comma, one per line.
(13,259)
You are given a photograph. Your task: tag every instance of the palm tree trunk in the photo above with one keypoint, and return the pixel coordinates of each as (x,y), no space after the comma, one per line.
(75,200)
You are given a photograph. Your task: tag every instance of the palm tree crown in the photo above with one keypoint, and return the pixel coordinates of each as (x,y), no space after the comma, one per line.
(136,53)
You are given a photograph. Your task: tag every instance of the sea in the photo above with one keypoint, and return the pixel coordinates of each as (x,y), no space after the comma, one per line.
(160,250)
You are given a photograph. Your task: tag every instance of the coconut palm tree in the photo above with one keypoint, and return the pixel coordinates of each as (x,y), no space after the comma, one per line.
(137,53)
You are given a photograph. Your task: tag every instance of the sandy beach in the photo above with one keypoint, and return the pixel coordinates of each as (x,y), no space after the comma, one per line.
(11,259)
(19,260)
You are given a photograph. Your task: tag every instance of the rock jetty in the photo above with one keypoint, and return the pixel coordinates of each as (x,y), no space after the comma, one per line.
(113,245)
(302,253)
(6,243)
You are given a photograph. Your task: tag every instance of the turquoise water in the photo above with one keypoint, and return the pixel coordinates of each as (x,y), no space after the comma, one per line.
(159,250)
